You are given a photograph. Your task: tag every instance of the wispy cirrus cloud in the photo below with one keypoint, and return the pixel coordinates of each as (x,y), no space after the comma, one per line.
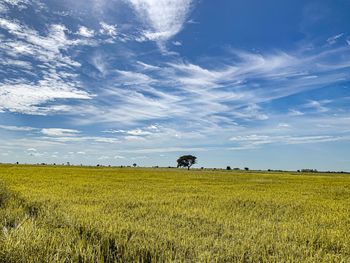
(54,77)
(229,90)
(254,140)
(81,139)
(107,29)
(295,130)
(163,19)
(58,132)
(332,40)
(16,128)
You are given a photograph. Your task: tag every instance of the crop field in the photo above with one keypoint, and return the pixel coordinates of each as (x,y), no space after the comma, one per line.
(81,214)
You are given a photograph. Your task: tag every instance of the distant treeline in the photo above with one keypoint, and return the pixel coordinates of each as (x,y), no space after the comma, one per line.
(228,168)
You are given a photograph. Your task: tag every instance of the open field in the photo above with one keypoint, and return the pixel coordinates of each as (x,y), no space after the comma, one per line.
(77,214)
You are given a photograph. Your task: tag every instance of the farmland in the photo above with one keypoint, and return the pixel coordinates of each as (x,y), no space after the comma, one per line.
(82,214)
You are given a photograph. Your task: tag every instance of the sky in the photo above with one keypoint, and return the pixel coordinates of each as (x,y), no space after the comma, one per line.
(244,83)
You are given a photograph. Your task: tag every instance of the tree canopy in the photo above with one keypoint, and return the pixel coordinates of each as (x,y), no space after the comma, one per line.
(186,161)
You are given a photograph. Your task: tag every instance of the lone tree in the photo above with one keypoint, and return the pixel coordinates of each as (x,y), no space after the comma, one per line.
(186,161)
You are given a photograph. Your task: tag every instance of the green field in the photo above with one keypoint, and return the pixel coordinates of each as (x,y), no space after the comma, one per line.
(80,214)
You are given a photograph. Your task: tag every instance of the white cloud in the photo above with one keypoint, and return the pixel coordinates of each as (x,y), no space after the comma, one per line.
(133,78)
(318,106)
(166,150)
(110,30)
(256,140)
(312,139)
(283,125)
(25,98)
(53,42)
(251,112)
(59,132)
(17,128)
(43,48)
(31,150)
(332,40)
(293,112)
(134,139)
(155,132)
(16,63)
(54,76)
(85,32)
(20,4)
(11,26)
(137,132)
(76,139)
(145,66)
(177,43)
(114,131)
(99,62)
(16,2)
(163,18)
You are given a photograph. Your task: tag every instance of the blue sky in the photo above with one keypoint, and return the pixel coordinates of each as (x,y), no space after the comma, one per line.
(263,84)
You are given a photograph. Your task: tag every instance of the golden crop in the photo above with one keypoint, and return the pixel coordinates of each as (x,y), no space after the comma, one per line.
(80,214)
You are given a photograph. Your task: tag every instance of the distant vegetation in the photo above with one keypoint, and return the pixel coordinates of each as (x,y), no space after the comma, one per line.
(96,214)
(188,161)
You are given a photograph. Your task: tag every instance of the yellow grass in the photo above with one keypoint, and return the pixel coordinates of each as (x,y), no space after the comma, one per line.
(77,214)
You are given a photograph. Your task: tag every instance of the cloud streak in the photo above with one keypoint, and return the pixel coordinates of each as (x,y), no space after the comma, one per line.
(58,132)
